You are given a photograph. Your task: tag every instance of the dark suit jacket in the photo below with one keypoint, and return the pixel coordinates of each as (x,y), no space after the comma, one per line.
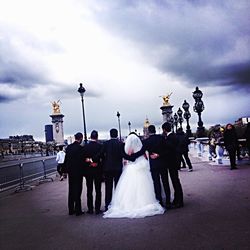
(113,152)
(93,150)
(155,144)
(170,153)
(74,159)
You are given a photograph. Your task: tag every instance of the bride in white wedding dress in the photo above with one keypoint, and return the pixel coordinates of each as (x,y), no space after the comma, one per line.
(134,196)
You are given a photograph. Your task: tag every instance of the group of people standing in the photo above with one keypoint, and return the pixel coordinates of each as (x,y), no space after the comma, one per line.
(227,137)
(134,173)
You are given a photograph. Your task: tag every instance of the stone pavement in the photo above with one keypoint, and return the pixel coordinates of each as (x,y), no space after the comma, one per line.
(216,215)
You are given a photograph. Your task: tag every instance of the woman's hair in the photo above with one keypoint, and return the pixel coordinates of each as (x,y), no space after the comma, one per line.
(230,124)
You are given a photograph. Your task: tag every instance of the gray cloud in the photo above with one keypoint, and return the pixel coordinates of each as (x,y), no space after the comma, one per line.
(203,42)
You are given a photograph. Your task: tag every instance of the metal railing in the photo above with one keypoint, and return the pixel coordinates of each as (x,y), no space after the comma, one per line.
(19,175)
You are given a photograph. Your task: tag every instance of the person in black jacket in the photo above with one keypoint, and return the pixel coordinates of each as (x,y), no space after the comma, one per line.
(247,136)
(154,145)
(182,149)
(93,172)
(231,143)
(112,154)
(74,163)
(171,162)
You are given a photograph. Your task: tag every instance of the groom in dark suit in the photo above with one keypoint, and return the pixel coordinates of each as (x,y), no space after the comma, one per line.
(171,162)
(112,155)
(155,144)
(112,165)
(93,172)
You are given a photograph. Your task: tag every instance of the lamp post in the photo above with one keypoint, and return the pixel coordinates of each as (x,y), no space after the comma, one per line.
(171,120)
(82,90)
(175,121)
(198,108)
(119,124)
(187,116)
(180,119)
(129,126)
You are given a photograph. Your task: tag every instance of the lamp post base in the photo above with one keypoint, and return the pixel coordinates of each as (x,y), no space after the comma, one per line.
(200,132)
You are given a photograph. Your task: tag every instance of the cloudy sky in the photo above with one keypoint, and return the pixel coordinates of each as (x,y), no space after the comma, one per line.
(127,54)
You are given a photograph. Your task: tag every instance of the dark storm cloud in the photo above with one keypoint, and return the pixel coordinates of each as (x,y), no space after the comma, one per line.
(204,42)
(21,75)
(20,71)
(4,98)
(71,91)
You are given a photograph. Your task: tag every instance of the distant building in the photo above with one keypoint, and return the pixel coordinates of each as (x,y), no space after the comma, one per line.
(22,137)
(49,133)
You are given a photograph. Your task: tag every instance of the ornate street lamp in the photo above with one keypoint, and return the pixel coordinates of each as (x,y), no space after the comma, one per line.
(175,121)
(82,90)
(129,127)
(187,116)
(198,108)
(180,119)
(119,124)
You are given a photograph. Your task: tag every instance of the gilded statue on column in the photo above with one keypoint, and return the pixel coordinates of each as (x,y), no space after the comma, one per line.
(166,99)
(56,107)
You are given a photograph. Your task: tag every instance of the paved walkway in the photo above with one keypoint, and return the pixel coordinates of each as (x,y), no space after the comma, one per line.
(216,215)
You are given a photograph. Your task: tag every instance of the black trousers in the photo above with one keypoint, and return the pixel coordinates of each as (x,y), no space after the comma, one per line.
(181,160)
(94,178)
(60,169)
(178,193)
(111,178)
(75,192)
(232,156)
(158,176)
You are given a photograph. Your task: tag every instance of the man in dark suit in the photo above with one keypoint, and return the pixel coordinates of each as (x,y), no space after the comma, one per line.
(154,144)
(171,162)
(93,172)
(113,154)
(74,163)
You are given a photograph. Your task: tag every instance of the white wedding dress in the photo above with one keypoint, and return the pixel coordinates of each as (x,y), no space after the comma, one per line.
(134,196)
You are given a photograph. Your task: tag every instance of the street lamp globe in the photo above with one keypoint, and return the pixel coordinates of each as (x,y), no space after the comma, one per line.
(179,112)
(81,90)
(185,105)
(197,94)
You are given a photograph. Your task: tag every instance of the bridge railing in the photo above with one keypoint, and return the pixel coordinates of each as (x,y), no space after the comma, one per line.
(19,175)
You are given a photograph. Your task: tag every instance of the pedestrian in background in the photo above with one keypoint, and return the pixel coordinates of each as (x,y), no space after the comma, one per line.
(231,143)
(182,149)
(60,156)
(247,136)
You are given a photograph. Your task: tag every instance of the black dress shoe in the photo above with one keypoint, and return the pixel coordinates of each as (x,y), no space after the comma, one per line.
(79,213)
(177,205)
(99,211)
(71,212)
(232,168)
(90,212)
(169,206)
